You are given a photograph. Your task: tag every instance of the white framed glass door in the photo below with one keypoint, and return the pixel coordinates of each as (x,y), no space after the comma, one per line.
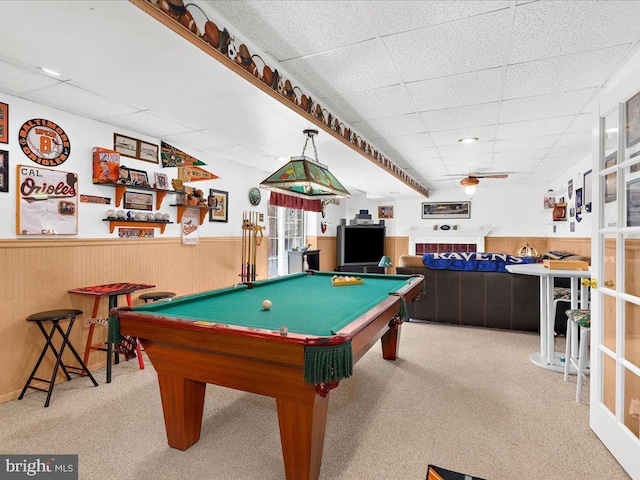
(615,339)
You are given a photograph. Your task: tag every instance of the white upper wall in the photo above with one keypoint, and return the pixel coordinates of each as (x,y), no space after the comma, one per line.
(85,134)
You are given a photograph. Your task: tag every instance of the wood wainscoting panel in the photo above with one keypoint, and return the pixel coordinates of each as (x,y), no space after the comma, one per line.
(394,247)
(511,245)
(39,273)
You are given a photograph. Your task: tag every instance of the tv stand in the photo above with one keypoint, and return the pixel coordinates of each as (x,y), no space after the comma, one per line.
(360,268)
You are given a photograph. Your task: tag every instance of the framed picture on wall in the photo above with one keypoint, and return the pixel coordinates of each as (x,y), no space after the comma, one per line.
(385,212)
(633,203)
(446,210)
(4,123)
(138,201)
(138,177)
(148,152)
(633,120)
(124,145)
(586,191)
(219,203)
(4,171)
(610,180)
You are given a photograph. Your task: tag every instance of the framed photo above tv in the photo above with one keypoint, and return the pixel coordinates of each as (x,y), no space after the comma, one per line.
(446,210)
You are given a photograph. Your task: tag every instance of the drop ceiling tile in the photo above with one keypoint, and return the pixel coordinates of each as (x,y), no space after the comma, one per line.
(16,80)
(484,159)
(452,137)
(417,155)
(390,126)
(558,74)
(80,101)
(292,29)
(460,117)
(572,150)
(401,16)
(405,142)
(545,106)
(199,140)
(521,156)
(530,143)
(466,150)
(457,90)
(534,128)
(238,152)
(474,43)
(592,106)
(149,124)
(379,103)
(514,165)
(550,29)
(581,123)
(581,138)
(345,70)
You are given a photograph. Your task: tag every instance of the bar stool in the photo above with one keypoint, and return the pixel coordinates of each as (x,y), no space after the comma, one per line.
(155,296)
(578,322)
(55,316)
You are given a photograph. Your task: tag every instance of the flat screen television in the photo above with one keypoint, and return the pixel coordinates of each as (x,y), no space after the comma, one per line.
(360,244)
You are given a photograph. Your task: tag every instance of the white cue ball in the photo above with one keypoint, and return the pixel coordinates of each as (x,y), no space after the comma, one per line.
(266,304)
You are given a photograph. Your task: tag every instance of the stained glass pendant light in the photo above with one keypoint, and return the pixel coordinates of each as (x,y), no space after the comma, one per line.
(305,177)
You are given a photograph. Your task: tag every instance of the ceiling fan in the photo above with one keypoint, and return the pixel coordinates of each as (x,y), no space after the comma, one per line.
(474,178)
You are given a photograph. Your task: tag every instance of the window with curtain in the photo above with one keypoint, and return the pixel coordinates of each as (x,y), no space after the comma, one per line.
(286,232)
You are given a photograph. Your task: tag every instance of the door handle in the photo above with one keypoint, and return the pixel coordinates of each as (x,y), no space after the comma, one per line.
(609,283)
(586,282)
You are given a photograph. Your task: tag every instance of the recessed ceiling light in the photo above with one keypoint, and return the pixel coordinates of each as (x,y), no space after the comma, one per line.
(50,72)
(282,159)
(612,130)
(468,140)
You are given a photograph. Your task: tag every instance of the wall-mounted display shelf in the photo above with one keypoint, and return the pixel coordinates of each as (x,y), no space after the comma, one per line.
(120,189)
(135,223)
(183,208)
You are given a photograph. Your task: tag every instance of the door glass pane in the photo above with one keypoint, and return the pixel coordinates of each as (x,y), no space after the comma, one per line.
(610,159)
(631,401)
(609,382)
(609,322)
(632,264)
(632,333)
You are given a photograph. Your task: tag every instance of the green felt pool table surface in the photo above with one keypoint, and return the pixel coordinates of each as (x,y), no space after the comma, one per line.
(305,304)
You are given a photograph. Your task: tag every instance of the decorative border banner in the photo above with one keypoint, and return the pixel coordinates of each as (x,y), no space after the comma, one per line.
(192,23)
(47,202)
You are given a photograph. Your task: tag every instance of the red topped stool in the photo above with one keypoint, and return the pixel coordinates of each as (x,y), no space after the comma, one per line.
(55,317)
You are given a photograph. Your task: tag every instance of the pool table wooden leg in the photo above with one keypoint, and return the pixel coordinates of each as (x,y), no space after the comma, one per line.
(391,342)
(302,428)
(182,405)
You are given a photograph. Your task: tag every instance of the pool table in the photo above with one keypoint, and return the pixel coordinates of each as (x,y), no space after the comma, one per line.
(296,352)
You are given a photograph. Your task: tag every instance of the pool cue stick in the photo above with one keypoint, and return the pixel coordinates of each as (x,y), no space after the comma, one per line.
(242,261)
(249,248)
(255,241)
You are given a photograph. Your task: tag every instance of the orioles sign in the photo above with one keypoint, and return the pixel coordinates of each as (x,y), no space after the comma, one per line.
(44,142)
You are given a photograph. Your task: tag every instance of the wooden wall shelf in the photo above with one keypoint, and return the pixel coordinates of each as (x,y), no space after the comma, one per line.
(183,208)
(120,189)
(135,223)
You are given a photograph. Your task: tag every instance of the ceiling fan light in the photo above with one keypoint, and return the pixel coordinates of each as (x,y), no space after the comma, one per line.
(469,181)
(470,189)
(468,140)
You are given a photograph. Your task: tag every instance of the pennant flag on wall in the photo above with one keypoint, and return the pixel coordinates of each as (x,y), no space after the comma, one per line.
(174,157)
(193,174)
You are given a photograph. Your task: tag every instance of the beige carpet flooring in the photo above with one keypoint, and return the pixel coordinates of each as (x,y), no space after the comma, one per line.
(466,399)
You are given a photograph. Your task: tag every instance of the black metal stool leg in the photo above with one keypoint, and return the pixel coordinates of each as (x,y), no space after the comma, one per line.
(58,362)
(48,336)
(53,347)
(83,368)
